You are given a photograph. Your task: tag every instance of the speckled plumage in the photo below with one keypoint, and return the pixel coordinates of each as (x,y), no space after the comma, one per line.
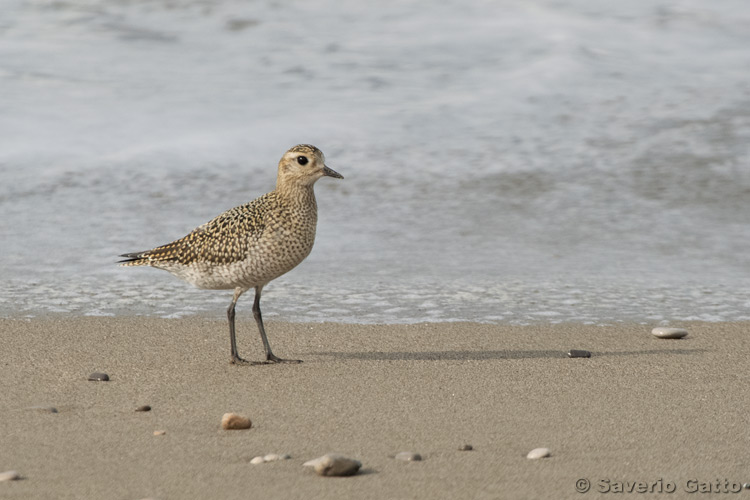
(250,245)
(246,246)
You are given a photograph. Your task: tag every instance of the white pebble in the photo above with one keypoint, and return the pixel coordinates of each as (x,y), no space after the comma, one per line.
(664,332)
(9,475)
(408,456)
(538,453)
(313,462)
(334,465)
(271,457)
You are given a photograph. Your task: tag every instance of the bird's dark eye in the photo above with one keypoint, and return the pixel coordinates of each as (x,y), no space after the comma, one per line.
(302,160)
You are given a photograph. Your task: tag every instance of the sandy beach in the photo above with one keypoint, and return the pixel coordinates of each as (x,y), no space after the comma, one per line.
(667,413)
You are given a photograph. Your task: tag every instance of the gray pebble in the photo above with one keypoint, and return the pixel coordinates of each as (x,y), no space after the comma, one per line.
(99,377)
(465,447)
(334,465)
(664,332)
(143,408)
(9,475)
(408,456)
(578,353)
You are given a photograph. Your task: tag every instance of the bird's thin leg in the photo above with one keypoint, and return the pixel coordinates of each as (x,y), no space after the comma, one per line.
(270,356)
(230,315)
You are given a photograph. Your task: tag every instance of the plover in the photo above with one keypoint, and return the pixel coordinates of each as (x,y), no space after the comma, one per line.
(250,245)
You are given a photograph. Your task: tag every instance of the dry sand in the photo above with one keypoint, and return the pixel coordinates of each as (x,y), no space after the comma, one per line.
(640,409)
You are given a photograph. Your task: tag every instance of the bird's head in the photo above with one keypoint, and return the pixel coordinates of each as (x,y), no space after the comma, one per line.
(303,165)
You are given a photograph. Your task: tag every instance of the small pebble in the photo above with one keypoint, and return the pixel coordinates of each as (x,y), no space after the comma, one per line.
(578,353)
(143,408)
(159,433)
(43,409)
(232,421)
(9,475)
(538,453)
(271,457)
(465,447)
(334,465)
(664,332)
(408,456)
(746,486)
(99,377)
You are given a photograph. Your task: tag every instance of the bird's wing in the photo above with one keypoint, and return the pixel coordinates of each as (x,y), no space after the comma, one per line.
(222,240)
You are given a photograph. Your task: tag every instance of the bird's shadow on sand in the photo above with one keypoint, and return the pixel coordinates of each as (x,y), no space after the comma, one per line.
(494,355)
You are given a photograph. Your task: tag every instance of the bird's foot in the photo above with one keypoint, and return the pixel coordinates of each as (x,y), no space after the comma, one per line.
(272,359)
(236,360)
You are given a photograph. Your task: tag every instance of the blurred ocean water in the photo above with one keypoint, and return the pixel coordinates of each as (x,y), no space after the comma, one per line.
(504,161)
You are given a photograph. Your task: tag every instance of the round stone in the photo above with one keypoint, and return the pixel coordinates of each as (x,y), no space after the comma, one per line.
(99,377)
(9,475)
(408,456)
(465,447)
(334,465)
(538,453)
(664,332)
(233,421)
(143,408)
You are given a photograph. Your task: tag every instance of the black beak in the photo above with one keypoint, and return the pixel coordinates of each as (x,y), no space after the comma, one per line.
(332,173)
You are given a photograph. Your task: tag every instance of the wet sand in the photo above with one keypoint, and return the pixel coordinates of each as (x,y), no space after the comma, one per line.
(640,409)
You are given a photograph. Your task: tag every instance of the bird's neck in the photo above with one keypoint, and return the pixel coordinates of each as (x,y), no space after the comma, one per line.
(295,192)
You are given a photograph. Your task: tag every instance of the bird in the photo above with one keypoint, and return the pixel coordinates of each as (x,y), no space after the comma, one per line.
(250,245)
